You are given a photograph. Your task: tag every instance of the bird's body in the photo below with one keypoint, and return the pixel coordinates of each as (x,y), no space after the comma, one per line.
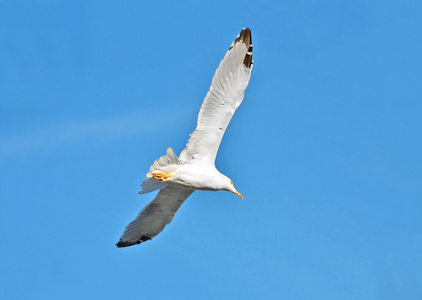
(198,177)
(178,177)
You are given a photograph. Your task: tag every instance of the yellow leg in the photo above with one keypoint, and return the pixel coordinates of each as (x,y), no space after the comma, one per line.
(161,176)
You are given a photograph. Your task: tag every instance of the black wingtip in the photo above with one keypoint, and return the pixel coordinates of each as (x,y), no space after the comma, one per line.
(245,36)
(122,243)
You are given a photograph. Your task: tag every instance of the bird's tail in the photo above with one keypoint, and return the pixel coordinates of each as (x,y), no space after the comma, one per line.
(167,164)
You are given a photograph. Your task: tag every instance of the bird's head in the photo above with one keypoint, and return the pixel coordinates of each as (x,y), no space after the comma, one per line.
(230,188)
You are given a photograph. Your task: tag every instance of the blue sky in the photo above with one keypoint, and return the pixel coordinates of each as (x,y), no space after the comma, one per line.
(326,148)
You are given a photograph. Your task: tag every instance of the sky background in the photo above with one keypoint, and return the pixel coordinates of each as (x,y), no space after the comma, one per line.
(326,149)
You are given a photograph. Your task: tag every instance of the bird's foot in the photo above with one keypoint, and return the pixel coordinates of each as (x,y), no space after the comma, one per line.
(161,176)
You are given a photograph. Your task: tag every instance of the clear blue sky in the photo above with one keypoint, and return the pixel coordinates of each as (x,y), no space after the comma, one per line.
(326,148)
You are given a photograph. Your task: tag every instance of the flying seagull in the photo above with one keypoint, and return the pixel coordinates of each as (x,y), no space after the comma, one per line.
(178,177)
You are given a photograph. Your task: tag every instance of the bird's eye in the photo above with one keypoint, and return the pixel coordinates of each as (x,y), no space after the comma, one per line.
(231,182)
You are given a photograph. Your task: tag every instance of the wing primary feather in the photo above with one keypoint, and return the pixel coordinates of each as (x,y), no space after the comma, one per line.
(248,57)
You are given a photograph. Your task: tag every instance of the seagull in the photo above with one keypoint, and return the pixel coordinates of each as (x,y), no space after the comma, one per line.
(178,177)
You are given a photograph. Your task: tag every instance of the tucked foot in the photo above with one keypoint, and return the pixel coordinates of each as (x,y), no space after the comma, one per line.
(161,176)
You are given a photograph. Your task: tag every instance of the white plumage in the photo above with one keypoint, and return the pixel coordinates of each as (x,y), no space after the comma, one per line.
(177,178)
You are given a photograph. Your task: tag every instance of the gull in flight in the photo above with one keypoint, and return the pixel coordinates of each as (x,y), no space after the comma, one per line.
(178,177)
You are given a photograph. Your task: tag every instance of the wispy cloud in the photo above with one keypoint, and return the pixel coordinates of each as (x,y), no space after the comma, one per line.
(76,131)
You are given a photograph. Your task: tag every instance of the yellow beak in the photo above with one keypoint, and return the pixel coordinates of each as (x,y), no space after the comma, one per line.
(237,193)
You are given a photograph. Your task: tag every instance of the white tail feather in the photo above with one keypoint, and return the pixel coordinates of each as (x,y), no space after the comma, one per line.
(150,184)
(167,163)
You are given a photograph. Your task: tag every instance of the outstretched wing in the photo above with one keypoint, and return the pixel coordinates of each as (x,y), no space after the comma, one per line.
(225,95)
(154,216)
